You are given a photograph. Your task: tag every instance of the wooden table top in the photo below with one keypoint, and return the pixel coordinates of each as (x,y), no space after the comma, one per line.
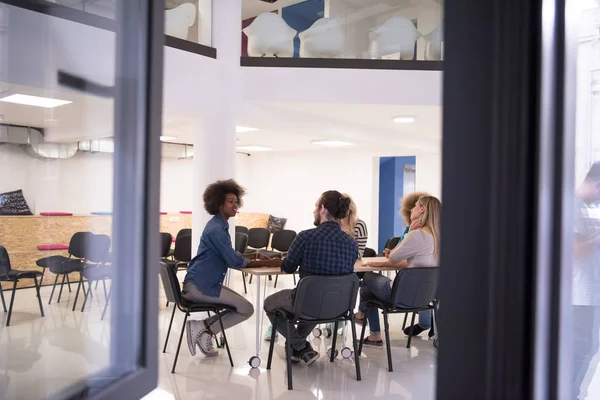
(358,267)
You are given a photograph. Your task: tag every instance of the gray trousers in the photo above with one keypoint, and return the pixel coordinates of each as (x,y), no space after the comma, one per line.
(244,309)
(283,300)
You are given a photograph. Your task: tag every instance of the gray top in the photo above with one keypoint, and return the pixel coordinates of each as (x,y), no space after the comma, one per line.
(586,282)
(417,248)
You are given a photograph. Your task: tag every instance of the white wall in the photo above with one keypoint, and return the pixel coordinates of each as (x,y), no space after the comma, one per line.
(288,184)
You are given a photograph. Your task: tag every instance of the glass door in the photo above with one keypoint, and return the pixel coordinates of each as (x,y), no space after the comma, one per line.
(80,120)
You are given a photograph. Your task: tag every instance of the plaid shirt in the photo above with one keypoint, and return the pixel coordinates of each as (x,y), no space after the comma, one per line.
(324,250)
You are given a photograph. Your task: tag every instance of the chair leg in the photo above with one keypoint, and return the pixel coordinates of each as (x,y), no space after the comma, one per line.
(244,280)
(404,323)
(412,326)
(53,287)
(62,284)
(2,296)
(225,338)
(12,301)
(41,279)
(356,355)
(169,331)
(105,292)
(250,281)
(167,305)
(106,304)
(388,345)
(68,283)
(288,354)
(77,291)
(294,276)
(97,284)
(276,278)
(37,289)
(333,342)
(272,344)
(86,295)
(362,332)
(180,339)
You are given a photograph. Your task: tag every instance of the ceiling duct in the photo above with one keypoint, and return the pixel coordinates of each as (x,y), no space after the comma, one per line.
(33,139)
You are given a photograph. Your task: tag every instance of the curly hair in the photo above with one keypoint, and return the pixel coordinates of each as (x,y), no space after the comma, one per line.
(408,202)
(215,194)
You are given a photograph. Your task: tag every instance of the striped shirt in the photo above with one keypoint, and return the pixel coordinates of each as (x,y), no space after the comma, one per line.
(361,235)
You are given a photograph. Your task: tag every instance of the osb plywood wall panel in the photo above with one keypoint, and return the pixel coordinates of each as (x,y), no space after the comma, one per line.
(22,235)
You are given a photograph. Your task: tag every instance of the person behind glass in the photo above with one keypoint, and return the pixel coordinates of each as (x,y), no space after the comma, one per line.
(203,282)
(586,284)
(408,203)
(420,248)
(324,250)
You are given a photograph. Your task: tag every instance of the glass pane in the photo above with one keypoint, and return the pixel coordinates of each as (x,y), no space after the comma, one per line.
(396,29)
(58,157)
(583,22)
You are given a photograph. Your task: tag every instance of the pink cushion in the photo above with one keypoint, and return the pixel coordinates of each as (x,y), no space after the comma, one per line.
(163,213)
(185,212)
(56,214)
(46,247)
(174,240)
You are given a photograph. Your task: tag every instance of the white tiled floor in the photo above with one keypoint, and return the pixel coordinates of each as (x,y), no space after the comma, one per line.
(66,346)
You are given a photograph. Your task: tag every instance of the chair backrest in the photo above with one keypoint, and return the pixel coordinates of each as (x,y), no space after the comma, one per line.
(325,297)
(4,263)
(369,253)
(183,248)
(258,238)
(78,243)
(392,242)
(170,283)
(282,240)
(183,232)
(415,287)
(241,229)
(166,239)
(241,242)
(97,248)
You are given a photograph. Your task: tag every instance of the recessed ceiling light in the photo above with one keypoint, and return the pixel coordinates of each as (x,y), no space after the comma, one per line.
(242,129)
(332,143)
(27,100)
(167,138)
(254,148)
(405,120)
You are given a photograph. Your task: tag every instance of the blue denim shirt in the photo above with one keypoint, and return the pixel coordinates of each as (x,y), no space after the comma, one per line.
(215,255)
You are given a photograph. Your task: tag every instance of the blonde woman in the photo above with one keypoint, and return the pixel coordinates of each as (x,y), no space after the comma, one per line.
(355,227)
(420,248)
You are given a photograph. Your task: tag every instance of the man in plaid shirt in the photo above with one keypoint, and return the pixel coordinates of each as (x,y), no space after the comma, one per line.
(324,250)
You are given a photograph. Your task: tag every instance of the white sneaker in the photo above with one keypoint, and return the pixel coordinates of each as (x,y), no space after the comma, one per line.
(205,343)
(269,333)
(193,330)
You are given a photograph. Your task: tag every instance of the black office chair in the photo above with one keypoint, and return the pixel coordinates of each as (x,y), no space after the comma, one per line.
(182,232)
(390,244)
(7,274)
(173,293)
(280,244)
(258,239)
(241,245)
(76,249)
(182,255)
(166,240)
(241,229)
(369,253)
(321,299)
(413,290)
(94,268)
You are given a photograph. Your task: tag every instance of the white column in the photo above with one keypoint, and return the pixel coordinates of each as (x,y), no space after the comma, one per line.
(214,140)
(205,22)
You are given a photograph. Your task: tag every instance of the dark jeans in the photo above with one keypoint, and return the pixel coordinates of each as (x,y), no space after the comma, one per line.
(379,287)
(586,329)
(283,300)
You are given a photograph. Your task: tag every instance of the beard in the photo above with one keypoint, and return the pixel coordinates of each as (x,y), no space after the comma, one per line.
(317,221)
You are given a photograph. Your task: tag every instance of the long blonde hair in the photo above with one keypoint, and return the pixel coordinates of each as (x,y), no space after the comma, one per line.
(408,203)
(431,220)
(352,216)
